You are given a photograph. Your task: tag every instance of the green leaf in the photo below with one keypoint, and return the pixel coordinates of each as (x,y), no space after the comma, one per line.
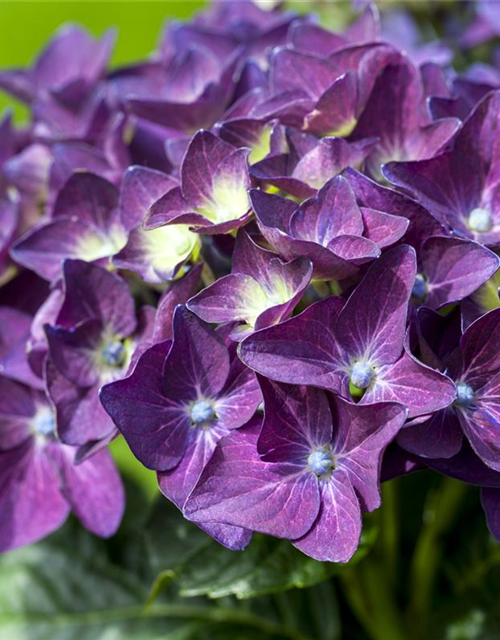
(68,588)
(266,566)
(203,567)
(171,539)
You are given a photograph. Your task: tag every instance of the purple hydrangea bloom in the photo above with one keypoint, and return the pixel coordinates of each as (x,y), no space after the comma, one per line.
(460,186)
(212,196)
(305,476)
(358,344)
(182,397)
(394,114)
(475,369)
(154,254)
(195,380)
(85,224)
(324,95)
(330,229)
(309,163)
(93,340)
(39,481)
(67,68)
(260,291)
(309,37)
(450,269)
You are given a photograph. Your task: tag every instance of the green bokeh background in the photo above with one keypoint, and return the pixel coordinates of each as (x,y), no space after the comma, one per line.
(25,28)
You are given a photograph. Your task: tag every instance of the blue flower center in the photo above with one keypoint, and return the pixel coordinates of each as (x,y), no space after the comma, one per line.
(202,412)
(321,462)
(44,422)
(419,290)
(114,354)
(361,375)
(465,394)
(479,220)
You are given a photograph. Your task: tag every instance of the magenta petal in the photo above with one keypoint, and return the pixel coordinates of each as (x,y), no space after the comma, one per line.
(439,437)
(31,503)
(360,435)
(141,187)
(198,362)
(334,536)
(179,292)
(378,327)
(279,499)
(303,350)
(74,351)
(419,388)
(155,428)
(93,292)
(93,488)
(455,268)
(297,420)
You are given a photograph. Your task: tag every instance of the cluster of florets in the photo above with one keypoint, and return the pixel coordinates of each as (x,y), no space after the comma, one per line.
(267,258)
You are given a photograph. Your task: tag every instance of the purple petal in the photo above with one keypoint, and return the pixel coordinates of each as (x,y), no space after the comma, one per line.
(15,330)
(44,248)
(377,326)
(155,428)
(31,503)
(360,435)
(334,536)
(382,228)
(480,347)
(274,498)
(455,268)
(93,489)
(81,418)
(93,292)
(141,187)
(17,407)
(438,437)
(198,363)
(74,351)
(157,255)
(302,350)
(179,292)
(420,389)
(240,396)
(297,420)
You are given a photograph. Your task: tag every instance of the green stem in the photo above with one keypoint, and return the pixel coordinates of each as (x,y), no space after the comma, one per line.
(440,511)
(389,529)
(371,600)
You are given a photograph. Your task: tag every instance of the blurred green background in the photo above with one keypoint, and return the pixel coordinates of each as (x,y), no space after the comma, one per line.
(25,27)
